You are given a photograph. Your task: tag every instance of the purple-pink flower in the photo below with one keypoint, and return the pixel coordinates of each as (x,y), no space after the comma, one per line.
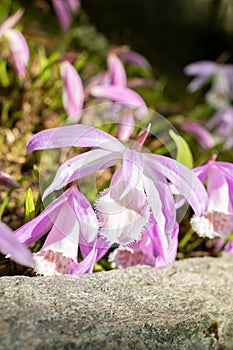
(218,219)
(11,246)
(18,45)
(72,225)
(139,187)
(221,92)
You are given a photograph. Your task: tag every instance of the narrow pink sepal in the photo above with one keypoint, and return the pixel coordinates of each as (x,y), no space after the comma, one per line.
(63,13)
(72,93)
(119,94)
(19,49)
(10,22)
(8,181)
(117,70)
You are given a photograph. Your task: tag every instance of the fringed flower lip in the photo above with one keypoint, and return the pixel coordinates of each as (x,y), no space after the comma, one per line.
(139,188)
(217,221)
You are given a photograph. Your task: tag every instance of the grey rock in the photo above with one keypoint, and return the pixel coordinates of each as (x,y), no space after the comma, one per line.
(188,305)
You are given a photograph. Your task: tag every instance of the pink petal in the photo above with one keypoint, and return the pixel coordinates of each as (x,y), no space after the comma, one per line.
(119,94)
(64,234)
(7,180)
(63,13)
(9,245)
(132,170)
(218,191)
(205,139)
(117,70)
(76,136)
(19,49)
(201,172)
(72,93)
(10,22)
(165,252)
(183,178)
(202,68)
(137,59)
(161,201)
(74,5)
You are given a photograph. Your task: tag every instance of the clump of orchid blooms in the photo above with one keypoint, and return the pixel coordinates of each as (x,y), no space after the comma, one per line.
(133,219)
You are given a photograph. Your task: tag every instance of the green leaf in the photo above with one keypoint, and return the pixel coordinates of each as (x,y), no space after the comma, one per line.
(29,206)
(184,154)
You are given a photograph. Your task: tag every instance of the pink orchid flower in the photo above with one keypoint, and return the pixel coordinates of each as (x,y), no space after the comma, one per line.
(138,189)
(18,44)
(150,250)
(73,225)
(221,91)
(65,10)
(11,246)
(217,221)
(72,93)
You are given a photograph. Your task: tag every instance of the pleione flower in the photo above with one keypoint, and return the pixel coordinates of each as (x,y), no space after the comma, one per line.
(18,44)
(73,227)
(217,221)
(12,248)
(152,249)
(138,189)
(205,70)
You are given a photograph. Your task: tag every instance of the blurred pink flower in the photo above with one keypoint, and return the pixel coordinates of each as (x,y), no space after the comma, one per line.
(221,75)
(18,45)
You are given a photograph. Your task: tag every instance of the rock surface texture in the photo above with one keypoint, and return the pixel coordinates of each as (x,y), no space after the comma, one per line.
(186,306)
